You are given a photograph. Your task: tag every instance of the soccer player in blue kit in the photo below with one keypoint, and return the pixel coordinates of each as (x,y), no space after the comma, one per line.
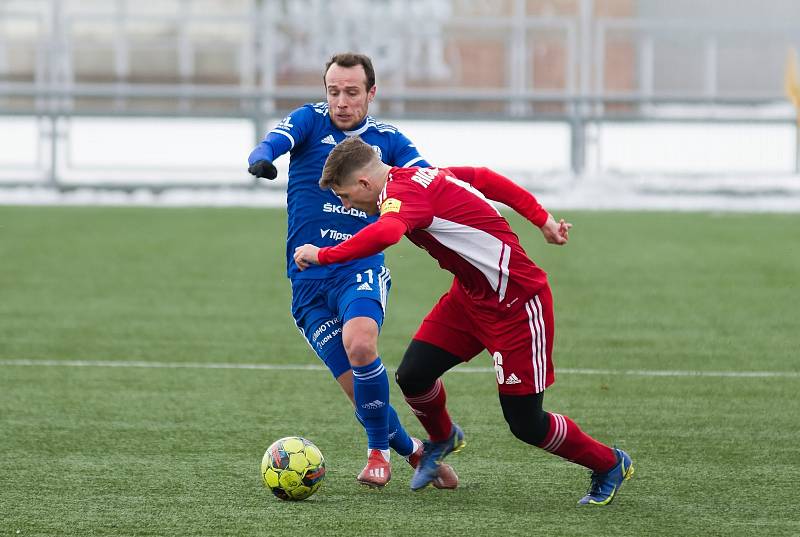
(340,308)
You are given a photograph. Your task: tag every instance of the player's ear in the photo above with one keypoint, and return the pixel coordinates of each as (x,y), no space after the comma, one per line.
(371,93)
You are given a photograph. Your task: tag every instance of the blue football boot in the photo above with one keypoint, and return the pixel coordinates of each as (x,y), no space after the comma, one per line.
(434,452)
(604,487)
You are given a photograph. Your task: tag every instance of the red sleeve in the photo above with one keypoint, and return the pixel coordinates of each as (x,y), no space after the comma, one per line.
(374,238)
(499,188)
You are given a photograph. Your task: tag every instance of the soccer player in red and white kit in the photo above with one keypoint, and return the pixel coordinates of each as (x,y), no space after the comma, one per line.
(499,301)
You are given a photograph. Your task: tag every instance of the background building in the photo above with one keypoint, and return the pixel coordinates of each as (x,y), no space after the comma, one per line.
(584,87)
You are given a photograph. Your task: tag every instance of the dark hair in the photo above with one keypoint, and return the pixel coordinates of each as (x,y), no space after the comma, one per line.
(347,157)
(351,59)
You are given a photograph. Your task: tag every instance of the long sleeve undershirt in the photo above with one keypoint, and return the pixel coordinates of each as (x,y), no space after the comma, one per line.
(374,238)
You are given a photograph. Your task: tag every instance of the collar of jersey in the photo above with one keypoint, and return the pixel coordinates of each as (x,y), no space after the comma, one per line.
(364,126)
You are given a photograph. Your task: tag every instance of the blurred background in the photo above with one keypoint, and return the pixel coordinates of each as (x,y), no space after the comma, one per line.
(592,103)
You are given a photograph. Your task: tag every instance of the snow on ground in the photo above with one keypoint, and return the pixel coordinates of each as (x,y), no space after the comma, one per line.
(654,165)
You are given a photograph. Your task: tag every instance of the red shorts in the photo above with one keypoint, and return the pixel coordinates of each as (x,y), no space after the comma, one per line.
(520,340)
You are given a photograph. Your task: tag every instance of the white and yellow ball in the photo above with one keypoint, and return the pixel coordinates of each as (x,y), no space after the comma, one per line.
(293,468)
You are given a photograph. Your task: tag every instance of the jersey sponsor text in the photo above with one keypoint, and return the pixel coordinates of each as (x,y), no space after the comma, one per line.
(340,209)
(335,235)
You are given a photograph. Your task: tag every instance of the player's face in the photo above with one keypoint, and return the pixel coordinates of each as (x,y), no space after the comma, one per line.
(348,97)
(360,195)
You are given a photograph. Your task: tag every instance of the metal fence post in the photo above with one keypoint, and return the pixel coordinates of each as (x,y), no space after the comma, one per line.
(53,178)
(797,143)
(577,144)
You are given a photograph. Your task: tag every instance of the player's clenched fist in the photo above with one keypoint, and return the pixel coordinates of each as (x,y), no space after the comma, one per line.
(306,255)
(264,169)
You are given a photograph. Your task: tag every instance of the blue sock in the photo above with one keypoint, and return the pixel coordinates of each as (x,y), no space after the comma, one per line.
(371,392)
(399,439)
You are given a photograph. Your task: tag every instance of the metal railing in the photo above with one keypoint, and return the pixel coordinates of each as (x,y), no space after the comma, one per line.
(271,73)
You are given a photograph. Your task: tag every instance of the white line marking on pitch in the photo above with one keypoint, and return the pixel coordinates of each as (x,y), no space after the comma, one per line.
(316,367)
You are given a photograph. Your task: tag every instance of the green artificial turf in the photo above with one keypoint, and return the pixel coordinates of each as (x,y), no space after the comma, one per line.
(642,299)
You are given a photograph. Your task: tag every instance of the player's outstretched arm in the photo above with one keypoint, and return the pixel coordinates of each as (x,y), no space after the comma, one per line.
(260,159)
(374,238)
(556,232)
(282,138)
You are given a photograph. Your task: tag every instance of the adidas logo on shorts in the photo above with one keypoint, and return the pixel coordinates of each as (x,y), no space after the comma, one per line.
(512,379)
(364,287)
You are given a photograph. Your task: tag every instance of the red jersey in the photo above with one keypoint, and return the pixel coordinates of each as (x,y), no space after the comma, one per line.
(445,213)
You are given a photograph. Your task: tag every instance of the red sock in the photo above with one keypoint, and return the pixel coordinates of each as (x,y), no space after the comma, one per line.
(566,440)
(430,409)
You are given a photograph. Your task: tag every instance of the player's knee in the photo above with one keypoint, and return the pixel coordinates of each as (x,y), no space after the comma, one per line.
(360,340)
(361,351)
(422,364)
(361,347)
(407,378)
(529,431)
(525,417)
(412,376)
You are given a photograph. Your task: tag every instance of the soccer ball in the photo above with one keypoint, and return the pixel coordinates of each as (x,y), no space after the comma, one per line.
(293,468)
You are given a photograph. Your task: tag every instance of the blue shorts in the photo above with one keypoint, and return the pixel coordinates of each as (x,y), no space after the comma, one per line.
(321,307)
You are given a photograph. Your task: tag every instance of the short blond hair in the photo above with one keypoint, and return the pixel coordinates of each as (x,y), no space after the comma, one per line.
(344,160)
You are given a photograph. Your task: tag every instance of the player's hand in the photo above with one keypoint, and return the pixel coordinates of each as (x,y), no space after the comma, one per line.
(264,169)
(556,232)
(306,255)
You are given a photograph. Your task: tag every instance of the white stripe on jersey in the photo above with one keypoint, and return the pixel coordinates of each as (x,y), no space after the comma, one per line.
(505,256)
(289,136)
(411,162)
(385,127)
(483,251)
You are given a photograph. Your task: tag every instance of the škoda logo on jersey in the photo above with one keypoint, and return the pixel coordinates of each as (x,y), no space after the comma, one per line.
(340,209)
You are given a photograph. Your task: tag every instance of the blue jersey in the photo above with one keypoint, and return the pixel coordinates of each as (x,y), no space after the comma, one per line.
(317,216)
